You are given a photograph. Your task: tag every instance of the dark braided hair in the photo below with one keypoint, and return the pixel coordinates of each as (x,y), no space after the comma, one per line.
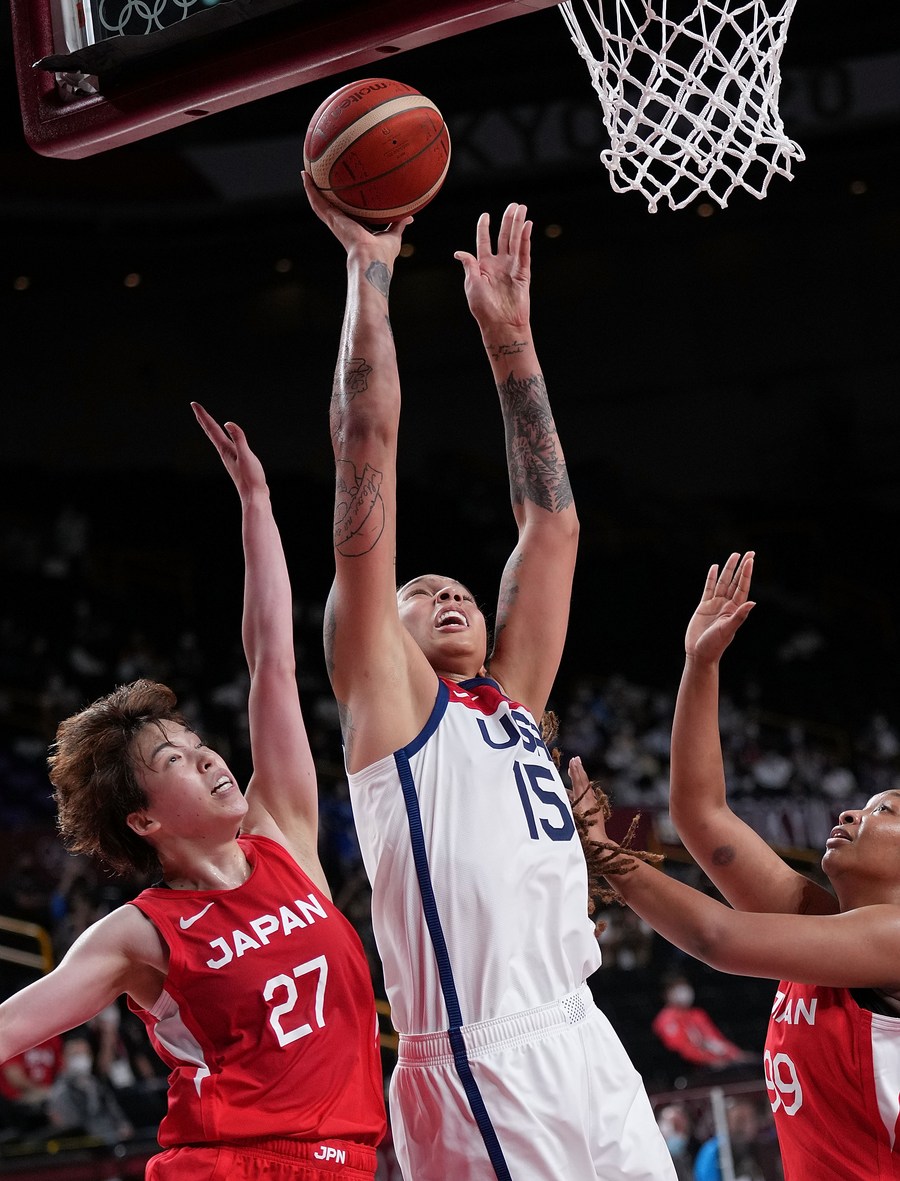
(605,859)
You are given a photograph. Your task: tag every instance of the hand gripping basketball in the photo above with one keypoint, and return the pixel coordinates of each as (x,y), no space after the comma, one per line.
(378,150)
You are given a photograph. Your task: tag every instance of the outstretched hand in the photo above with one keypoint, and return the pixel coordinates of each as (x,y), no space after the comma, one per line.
(584,800)
(608,862)
(497,284)
(722,609)
(234,451)
(352,235)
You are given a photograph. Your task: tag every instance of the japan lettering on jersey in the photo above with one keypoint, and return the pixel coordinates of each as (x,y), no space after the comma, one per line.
(833,1077)
(267,1018)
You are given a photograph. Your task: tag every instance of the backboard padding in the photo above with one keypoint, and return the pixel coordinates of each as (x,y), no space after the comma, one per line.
(305,41)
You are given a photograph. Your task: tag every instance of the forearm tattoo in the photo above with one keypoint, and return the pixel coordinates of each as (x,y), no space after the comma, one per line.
(378,274)
(536,468)
(354,376)
(358,509)
(358,503)
(505,350)
(351,377)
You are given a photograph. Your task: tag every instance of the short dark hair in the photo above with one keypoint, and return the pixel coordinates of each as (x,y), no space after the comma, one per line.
(93,775)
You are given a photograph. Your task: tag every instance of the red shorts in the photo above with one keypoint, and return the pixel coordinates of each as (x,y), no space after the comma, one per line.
(275,1160)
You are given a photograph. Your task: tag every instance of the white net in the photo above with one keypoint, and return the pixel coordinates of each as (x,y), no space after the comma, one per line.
(689,98)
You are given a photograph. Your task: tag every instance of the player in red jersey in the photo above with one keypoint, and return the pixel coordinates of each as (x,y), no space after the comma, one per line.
(254,988)
(832,1057)
(25,1083)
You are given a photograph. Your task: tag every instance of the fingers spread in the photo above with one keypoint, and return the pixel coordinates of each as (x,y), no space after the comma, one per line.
(710,584)
(725,578)
(525,245)
(483,235)
(507,230)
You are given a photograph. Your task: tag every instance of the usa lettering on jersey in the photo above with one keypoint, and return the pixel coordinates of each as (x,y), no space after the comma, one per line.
(506,730)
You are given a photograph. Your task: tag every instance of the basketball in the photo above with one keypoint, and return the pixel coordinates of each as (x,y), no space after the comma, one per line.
(378,150)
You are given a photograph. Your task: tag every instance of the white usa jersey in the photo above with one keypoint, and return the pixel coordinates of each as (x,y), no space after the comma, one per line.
(479,882)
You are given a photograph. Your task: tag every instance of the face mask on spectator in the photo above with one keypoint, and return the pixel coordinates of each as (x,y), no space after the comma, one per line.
(681,994)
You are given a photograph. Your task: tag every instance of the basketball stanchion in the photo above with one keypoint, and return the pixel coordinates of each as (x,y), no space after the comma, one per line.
(689,91)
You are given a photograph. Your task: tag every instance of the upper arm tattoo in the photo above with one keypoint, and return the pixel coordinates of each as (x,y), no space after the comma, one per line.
(329,630)
(537,471)
(509,590)
(358,509)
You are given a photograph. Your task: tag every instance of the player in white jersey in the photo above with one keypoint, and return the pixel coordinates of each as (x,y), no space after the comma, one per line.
(832,1058)
(506,1067)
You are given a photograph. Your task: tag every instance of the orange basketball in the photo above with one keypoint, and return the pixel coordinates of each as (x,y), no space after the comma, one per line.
(378,150)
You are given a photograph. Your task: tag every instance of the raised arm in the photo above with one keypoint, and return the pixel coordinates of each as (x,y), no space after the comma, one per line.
(535,591)
(748,872)
(380,679)
(856,949)
(282,792)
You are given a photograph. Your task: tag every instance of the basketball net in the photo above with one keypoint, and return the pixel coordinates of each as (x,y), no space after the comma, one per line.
(690,105)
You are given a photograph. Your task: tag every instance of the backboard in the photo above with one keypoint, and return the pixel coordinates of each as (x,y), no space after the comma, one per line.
(83,92)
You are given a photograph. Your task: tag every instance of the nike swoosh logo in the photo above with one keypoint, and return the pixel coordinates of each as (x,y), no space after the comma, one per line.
(185,923)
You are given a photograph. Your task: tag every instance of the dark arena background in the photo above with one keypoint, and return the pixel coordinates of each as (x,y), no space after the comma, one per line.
(722,380)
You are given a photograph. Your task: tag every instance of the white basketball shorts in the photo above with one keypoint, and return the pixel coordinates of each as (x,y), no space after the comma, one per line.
(541,1095)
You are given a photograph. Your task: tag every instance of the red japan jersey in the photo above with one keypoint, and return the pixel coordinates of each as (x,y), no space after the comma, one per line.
(267,1018)
(40,1064)
(833,1075)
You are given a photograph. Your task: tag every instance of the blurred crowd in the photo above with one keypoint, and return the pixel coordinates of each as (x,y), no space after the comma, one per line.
(70,631)
(695,1138)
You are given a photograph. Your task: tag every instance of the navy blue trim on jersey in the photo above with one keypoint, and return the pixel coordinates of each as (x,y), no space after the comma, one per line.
(474,682)
(439,943)
(441,699)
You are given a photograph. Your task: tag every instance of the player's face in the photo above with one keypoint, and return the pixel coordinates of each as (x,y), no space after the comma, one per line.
(867,840)
(190,789)
(442,617)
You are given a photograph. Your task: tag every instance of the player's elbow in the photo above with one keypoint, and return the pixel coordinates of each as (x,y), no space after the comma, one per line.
(554,534)
(715,943)
(570,526)
(272,674)
(360,423)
